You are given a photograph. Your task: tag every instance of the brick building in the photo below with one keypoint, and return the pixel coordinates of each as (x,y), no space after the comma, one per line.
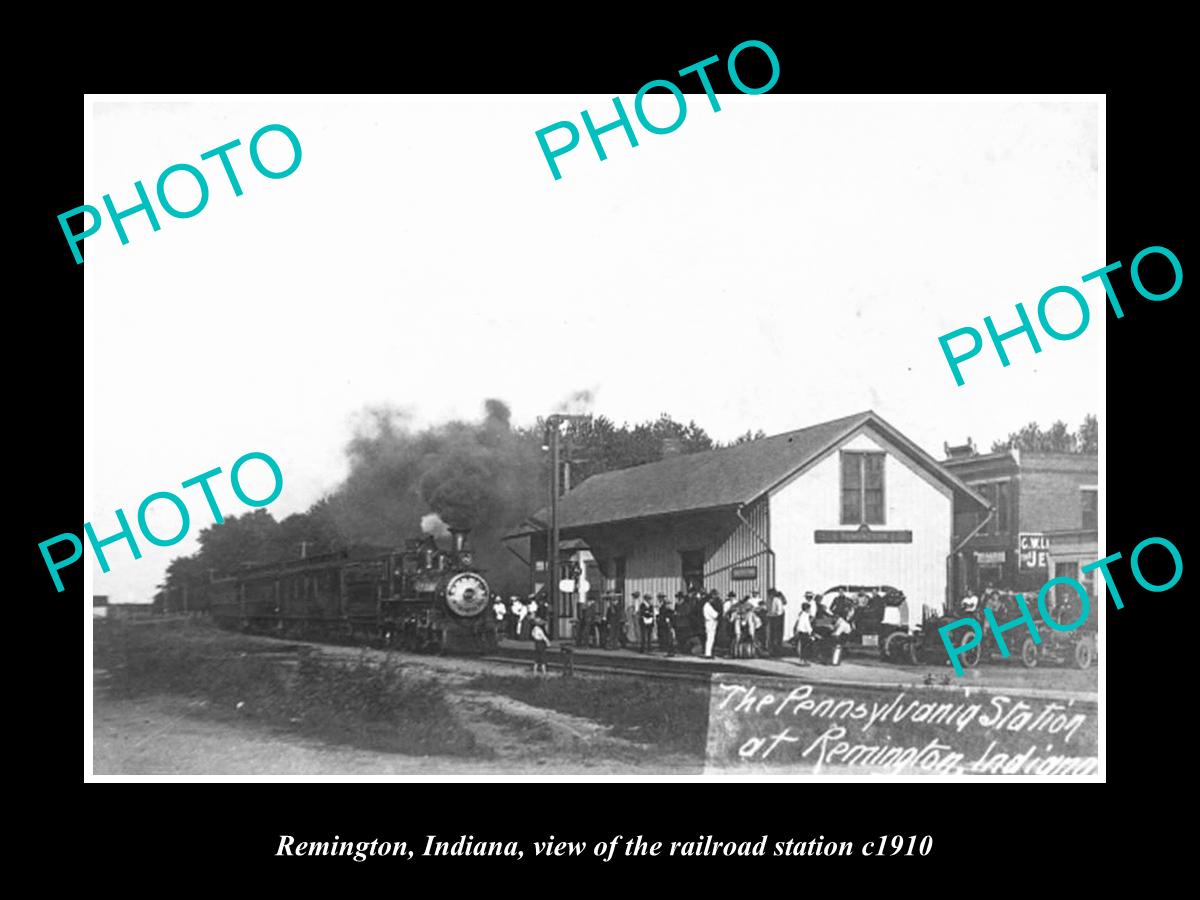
(1036,499)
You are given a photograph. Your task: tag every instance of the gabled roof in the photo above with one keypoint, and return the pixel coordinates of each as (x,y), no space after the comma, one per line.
(729,477)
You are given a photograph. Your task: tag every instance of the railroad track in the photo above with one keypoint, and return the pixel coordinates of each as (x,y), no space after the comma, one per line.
(677,670)
(592,666)
(516,659)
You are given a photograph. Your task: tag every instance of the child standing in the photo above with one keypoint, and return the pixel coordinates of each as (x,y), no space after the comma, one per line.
(540,643)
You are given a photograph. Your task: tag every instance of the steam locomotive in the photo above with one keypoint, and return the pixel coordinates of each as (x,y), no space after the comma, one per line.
(423,598)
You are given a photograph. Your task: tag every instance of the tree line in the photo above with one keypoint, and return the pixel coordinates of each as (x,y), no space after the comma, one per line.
(1058,438)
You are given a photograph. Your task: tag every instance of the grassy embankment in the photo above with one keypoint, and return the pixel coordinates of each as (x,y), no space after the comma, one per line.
(377,707)
(671,717)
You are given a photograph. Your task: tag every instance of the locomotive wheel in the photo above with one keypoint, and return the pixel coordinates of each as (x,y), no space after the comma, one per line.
(1085,652)
(892,647)
(1029,653)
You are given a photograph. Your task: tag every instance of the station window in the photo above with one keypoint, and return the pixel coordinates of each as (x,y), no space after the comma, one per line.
(614,575)
(862,488)
(1088,497)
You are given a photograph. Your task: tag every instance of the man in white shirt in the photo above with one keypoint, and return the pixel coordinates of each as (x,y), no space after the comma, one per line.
(841,628)
(540,643)
(802,632)
(518,613)
(775,607)
(711,616)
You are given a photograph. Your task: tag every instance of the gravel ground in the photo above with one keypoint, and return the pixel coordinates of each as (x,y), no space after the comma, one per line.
(173,736)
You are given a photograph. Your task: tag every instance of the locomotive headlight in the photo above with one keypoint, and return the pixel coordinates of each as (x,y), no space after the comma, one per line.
(466,594)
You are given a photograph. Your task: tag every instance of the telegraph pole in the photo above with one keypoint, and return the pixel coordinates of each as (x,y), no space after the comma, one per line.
(552,550)
(553,423)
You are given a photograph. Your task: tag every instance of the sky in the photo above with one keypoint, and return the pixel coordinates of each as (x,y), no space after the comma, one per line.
(782,262)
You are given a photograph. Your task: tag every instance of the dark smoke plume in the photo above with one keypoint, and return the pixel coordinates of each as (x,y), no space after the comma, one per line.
(479,475)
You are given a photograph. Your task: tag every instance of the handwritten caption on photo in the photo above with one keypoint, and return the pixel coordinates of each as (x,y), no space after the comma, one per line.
(606,850)
(860,729)
(622,120)
(1026,327)
(996,630)
(145,205)
(126,533)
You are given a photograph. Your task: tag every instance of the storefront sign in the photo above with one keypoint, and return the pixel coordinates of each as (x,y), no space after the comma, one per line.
(990,557)
(744,573)
(831,729)
(1034,547)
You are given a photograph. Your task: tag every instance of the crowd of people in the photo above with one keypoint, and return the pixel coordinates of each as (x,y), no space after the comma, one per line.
(696,622)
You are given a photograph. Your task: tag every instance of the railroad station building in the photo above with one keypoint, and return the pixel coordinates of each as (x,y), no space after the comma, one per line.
(1044,519)
(847,502)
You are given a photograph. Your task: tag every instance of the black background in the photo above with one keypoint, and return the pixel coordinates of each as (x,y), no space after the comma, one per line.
(216,835)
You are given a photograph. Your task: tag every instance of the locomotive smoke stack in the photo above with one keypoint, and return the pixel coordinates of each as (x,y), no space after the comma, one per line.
(459,536)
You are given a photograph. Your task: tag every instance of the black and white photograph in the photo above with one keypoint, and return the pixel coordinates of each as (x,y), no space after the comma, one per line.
(451,437)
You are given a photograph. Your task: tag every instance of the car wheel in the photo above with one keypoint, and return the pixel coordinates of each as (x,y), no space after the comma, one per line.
(969,659)
(1085,652)
(1029,653)
(892,647)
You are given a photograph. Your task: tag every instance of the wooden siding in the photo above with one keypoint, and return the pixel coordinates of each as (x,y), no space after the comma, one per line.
(652,550)
(744,545)
(915,502)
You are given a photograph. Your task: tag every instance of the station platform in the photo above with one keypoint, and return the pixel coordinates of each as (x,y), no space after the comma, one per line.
(856,669)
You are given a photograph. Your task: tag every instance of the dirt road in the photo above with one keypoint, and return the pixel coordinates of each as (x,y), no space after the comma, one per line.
(172,736)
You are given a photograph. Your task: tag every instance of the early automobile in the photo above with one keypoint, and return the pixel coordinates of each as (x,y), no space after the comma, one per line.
(925,645)
(874,615)
(1076,646)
